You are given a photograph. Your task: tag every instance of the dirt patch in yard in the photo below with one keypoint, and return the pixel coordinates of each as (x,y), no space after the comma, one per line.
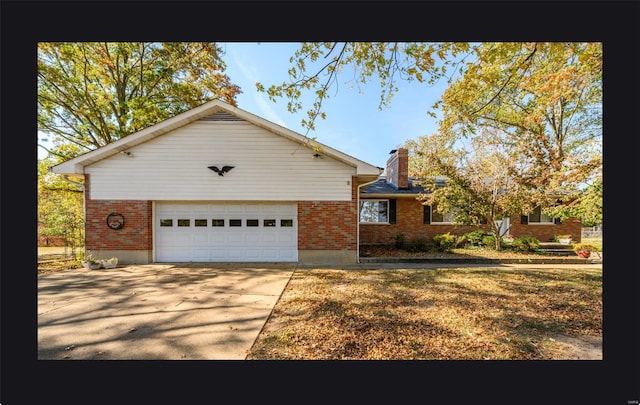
(580,348)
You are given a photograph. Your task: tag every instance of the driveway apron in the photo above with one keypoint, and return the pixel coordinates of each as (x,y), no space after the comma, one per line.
(157,312)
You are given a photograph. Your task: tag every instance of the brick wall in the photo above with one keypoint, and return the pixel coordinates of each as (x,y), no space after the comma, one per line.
(544,233)
(136,233)
(328,225)
(409,218)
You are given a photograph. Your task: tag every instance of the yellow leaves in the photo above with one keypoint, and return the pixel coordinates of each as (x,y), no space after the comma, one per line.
(471,314)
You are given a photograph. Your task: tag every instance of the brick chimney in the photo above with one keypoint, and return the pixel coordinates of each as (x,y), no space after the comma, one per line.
(398,168)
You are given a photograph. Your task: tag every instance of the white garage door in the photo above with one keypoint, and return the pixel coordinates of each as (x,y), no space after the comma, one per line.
(218,232)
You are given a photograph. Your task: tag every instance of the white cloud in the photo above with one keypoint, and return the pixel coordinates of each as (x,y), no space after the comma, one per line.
(267,110)
(248,79)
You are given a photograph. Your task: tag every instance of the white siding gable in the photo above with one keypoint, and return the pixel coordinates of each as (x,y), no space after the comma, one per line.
(268,167)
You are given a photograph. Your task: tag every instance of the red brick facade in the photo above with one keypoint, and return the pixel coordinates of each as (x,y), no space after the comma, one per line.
(136,233)
(328,225)
(409,222)
(322,225)
(571,226)
(409,216)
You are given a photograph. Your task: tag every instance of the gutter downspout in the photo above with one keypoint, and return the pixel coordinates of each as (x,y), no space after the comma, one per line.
(358,216)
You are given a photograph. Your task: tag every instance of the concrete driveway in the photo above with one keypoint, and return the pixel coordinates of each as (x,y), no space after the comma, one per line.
(157,312)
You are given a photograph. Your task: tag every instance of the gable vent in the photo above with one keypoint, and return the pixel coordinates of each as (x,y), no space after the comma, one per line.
(221,116)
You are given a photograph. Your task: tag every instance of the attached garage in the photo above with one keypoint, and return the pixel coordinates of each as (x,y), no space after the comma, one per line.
(225,232)
(282,198)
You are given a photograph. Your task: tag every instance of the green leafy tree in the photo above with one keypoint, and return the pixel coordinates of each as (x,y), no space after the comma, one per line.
(60,207)
(546,98)
(543,99)
(587,206)
(91,93)
(316,67)
(479,186)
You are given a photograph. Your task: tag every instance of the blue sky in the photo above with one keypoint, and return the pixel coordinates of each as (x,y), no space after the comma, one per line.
(354,123)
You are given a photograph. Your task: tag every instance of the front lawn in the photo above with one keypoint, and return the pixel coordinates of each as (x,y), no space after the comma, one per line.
(436,314)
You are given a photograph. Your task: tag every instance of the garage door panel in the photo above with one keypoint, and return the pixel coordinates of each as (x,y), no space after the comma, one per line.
(287,240)
(269,238)
(201,255)
(273,239)
(201,238)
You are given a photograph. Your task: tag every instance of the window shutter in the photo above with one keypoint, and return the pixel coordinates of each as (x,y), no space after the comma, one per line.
(524,219)
(426,216)
(556,221)
(392,211)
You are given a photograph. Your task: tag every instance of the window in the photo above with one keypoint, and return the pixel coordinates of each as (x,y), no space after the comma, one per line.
(184,222)
(235,222)
(374,211)
(286,222)
(166,222)
(438,218)
(217,222)
(200,222)
(537,217)
(252,222)
(269,222)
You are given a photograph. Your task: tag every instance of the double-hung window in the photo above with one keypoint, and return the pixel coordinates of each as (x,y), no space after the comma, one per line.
(431,216)
(438,218)
(538,217)
(374,211)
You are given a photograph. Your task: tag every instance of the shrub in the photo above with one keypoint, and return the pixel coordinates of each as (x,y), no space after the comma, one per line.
(584,247)
(489,241)
(399,241)
(525,244)
(462,241)
(418,245)
(444,242)
(474,238)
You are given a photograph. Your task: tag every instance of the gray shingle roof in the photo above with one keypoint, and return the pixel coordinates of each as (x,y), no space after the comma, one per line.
(383,187)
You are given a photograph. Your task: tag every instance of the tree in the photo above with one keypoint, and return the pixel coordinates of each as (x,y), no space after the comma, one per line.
(60,207)
(587,206)
(479,186)
(91,94)
(547,100)
(544,99)
(316,67)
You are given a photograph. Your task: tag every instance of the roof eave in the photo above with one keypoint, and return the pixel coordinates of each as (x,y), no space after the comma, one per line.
(388,195)
(77,165)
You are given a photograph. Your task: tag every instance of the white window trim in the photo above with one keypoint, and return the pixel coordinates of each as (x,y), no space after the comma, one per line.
(374,223)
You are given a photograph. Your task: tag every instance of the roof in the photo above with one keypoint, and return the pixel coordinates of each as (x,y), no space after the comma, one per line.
(383,188)
(76,165)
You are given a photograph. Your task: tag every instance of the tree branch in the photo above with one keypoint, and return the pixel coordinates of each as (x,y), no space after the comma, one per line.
(535,48)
